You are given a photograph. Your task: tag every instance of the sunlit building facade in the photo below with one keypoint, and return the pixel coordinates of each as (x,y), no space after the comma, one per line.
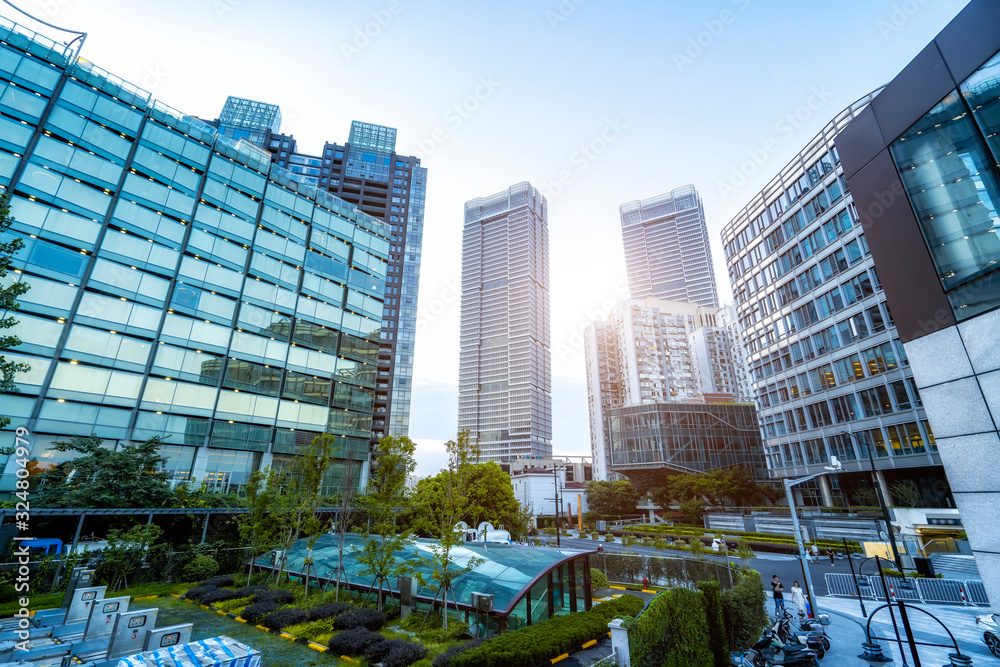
(505,362)
(181,285)
(824,355)
(366,172)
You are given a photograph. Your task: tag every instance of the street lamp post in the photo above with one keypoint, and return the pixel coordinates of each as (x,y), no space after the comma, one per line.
(881,501)
(789,483)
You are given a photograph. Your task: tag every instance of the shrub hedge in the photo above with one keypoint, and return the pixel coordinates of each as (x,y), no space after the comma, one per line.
(712,593)
(743,610)
(534,644)
(360,618)
(253,613)
(219,580)
(671,631)
(354,641)
(281,618)
(218,595)
(395,653)
(444,659)
(329,610)
(598,582)
(280,596)
(621,607)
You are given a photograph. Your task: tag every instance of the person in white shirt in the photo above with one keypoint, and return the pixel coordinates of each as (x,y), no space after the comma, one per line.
(799,599)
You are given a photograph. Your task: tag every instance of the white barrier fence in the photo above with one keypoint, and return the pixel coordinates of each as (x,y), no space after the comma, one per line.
(938,591)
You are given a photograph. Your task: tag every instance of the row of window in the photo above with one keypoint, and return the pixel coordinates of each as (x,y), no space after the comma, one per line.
(895,440)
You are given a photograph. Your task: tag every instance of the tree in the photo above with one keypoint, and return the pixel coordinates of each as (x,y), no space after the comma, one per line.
(612,498)
(905,493)
(691,511)
(8,303)
(342,522)
(386,497)
(258,527)
(302,498)
(102,477)
(444,511)
(125,553)
(489,496)
(865,497)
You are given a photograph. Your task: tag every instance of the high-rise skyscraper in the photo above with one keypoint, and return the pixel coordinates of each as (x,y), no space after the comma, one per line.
(505,367)
(367,172)
(181,284)
(667,254)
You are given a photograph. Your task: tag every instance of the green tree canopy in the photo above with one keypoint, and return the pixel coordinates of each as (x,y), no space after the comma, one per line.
(8,303)
(102,477)
(489,496)
(612,498)
(736,485)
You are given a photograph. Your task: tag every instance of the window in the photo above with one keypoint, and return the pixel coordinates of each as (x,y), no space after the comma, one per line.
(875,318)
(898,389)
(822,377)
(880,359)
(819,414)
(875,401)
(849,369)
(844,408)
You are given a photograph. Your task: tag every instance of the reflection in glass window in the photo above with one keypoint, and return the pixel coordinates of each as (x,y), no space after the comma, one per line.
(959,220)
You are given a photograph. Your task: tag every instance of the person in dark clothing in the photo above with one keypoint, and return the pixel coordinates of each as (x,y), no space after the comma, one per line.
(829,552)
(778,592)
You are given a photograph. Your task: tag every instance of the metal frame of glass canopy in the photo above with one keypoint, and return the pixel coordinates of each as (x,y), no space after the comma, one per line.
(528,584)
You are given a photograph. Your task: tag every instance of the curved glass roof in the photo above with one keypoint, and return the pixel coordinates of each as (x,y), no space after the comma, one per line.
(505,570)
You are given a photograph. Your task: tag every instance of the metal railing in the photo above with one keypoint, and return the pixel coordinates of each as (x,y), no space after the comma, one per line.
(932,591)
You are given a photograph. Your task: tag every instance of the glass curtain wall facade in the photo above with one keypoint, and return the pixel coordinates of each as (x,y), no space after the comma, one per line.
(646,352)
(923,162)
(182,286)
(824,355)
(667,251)
(505,363)
(650,442)
(367,172)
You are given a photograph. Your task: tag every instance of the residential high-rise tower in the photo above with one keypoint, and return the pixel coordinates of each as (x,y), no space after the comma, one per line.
(667,254)
(505,365)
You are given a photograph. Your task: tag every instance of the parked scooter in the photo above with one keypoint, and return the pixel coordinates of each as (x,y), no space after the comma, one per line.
(816,625)
(782,628)
(769,651)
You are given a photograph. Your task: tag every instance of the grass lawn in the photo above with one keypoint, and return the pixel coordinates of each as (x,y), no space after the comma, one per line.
(50,600)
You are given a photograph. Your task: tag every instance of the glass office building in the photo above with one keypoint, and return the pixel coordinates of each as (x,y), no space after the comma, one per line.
(923,162)
(369,173)
(825,358)
(652,441)
(182,286)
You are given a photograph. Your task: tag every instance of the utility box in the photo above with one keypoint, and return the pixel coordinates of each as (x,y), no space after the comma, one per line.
(407,595)
(924,566)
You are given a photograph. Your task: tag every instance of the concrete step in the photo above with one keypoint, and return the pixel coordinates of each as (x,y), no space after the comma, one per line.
(955,566)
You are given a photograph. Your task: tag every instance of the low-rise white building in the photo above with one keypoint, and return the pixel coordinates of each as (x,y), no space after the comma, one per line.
(537,480)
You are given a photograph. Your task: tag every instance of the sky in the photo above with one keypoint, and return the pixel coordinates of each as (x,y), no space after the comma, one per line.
(596,103)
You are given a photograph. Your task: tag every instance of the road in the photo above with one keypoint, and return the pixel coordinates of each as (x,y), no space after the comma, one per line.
(786,566)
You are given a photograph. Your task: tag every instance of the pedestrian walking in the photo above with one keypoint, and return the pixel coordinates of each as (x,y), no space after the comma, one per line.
(799,599)
(829,552)
(815,552)
(778,592)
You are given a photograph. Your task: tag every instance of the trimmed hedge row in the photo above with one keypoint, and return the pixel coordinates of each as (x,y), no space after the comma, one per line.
(685,628)
(534,644)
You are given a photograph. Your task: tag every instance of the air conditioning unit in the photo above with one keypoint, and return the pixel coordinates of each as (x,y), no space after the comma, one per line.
(483,602)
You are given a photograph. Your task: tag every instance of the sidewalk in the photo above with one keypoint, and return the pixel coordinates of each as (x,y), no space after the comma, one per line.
(847,632)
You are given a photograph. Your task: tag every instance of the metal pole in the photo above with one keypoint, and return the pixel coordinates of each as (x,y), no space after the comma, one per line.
(882,502)
(555,484)
(909,634)
(204,529)
(855,578)
(892,616)
(802,549)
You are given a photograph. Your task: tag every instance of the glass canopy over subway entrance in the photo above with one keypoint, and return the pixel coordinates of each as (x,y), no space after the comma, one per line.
(528,584)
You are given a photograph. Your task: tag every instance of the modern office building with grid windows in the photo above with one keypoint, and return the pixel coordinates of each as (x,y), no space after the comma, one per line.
(366,172)
(505,363)
(181,285)
(826,362)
